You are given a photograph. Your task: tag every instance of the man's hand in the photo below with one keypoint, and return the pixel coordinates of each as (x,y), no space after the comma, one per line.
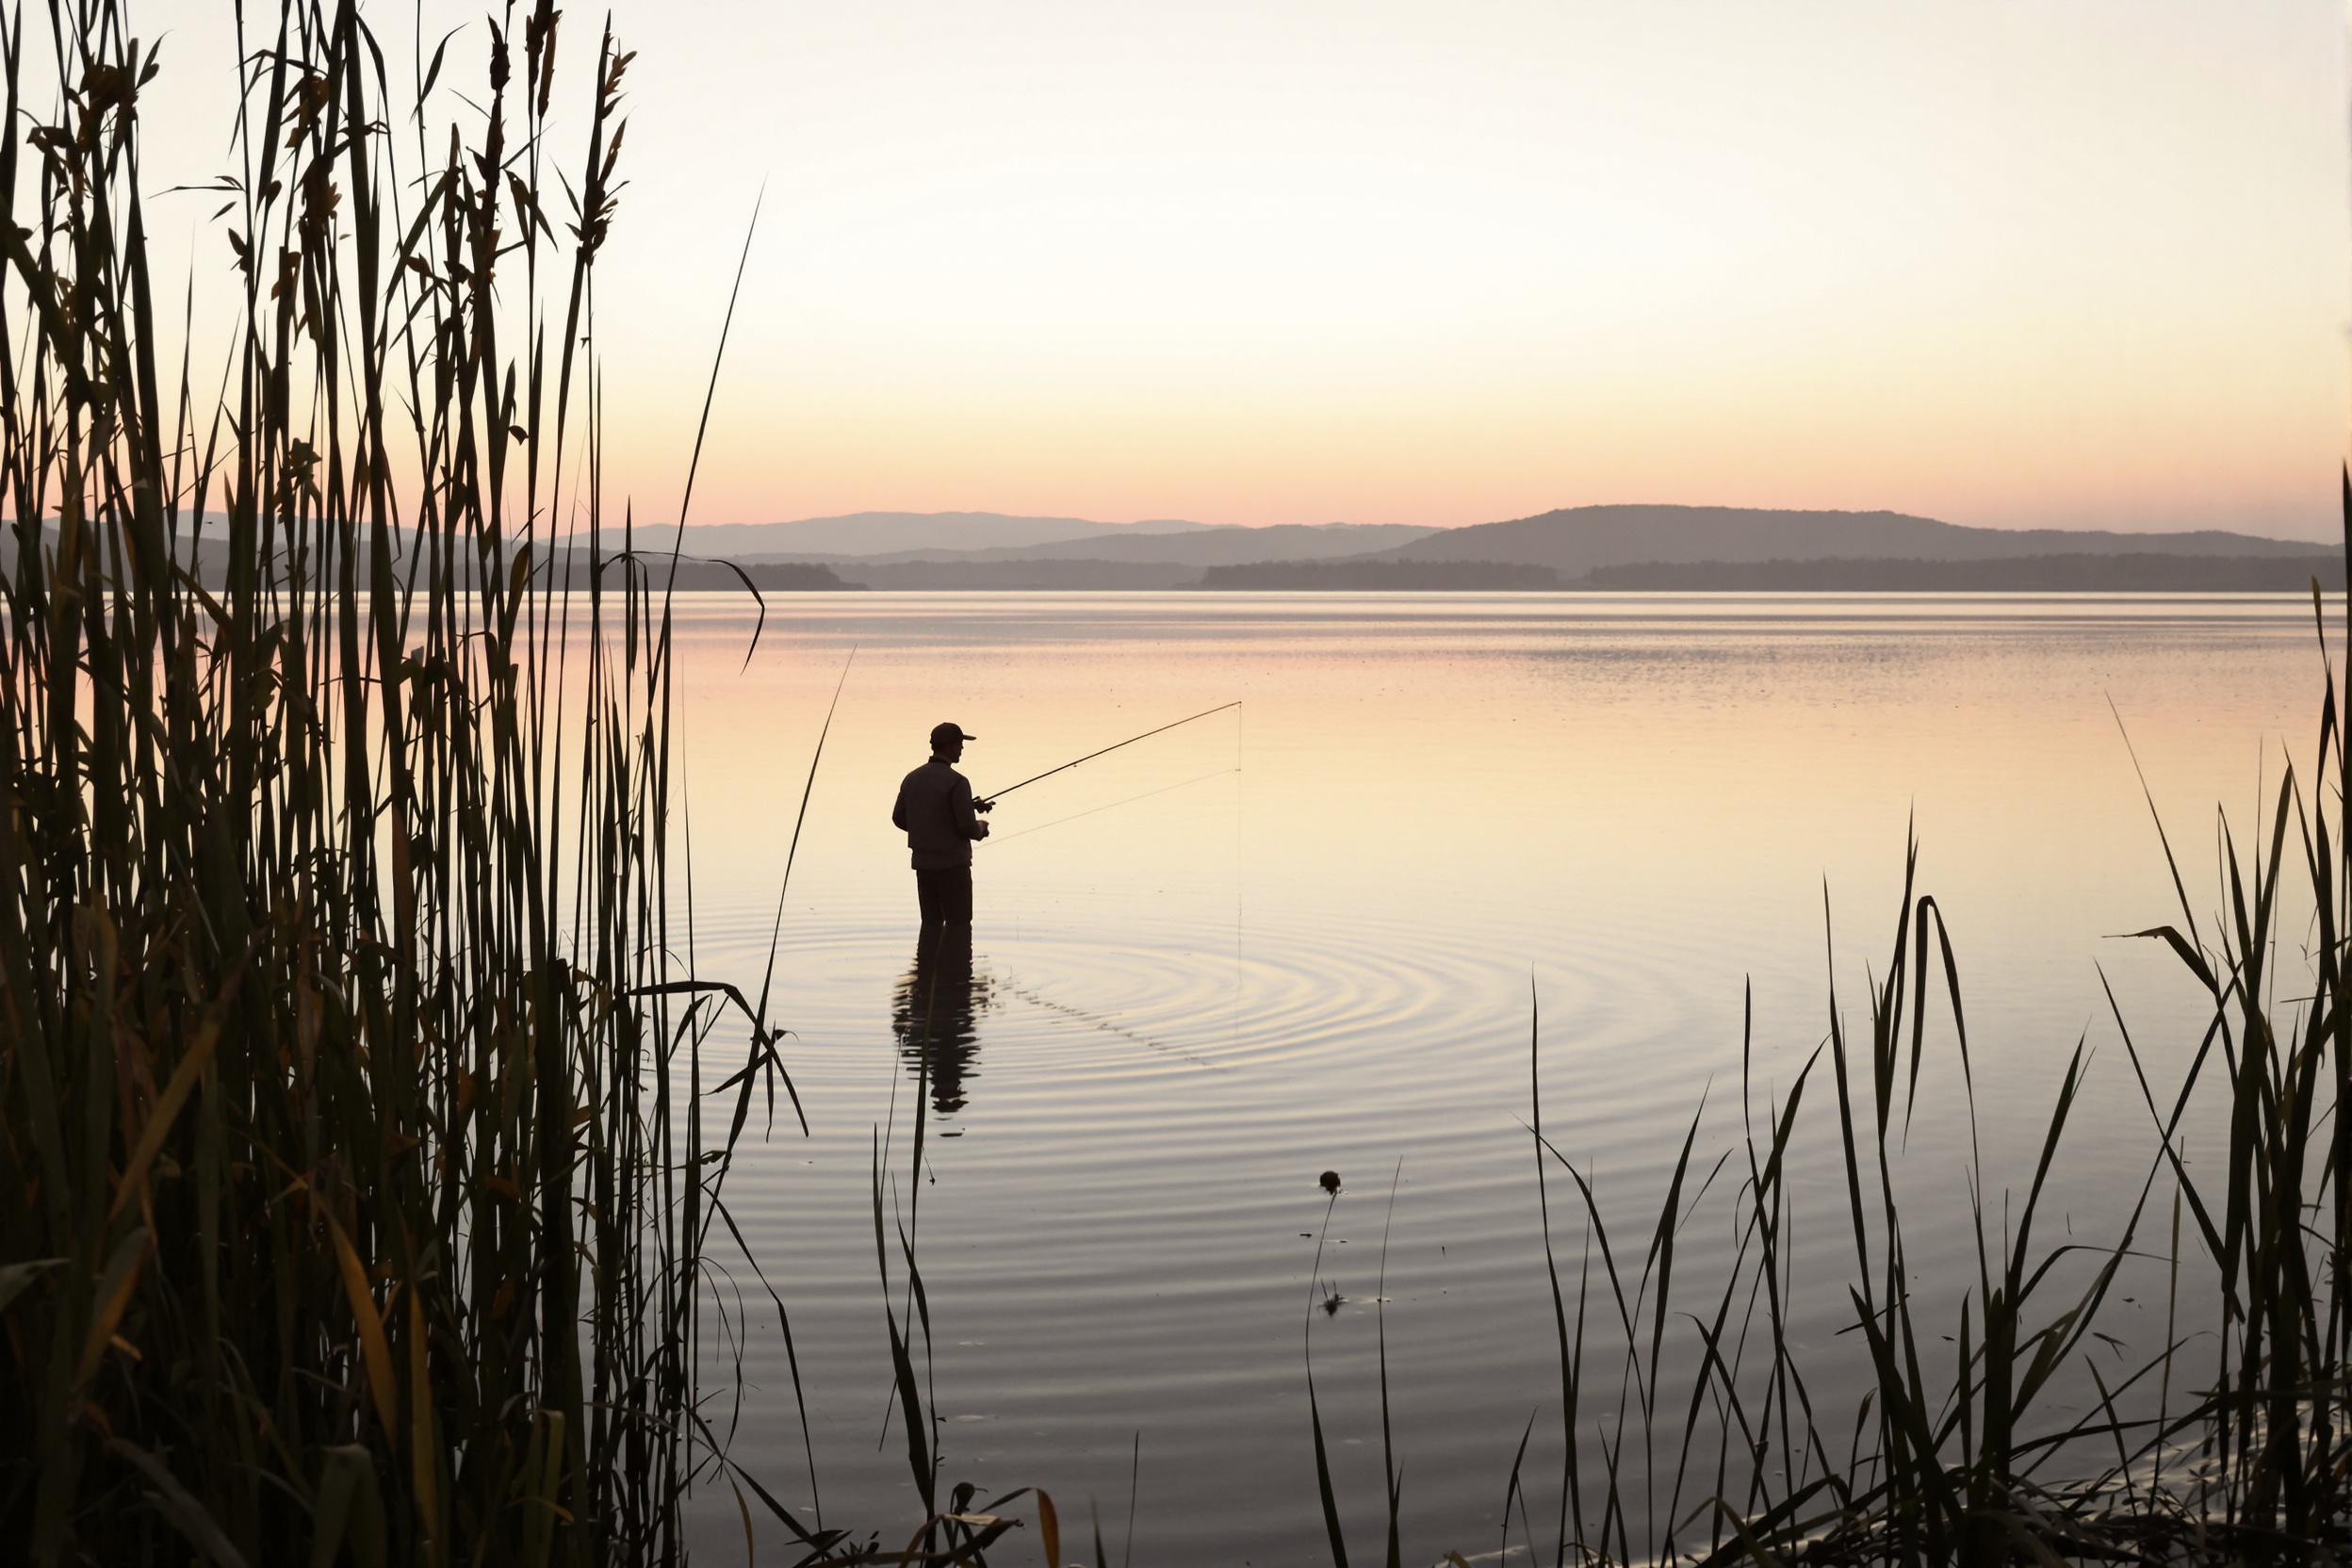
(983,831)
(983,807)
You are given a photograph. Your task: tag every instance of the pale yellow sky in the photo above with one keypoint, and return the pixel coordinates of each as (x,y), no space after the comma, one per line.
(1306,260)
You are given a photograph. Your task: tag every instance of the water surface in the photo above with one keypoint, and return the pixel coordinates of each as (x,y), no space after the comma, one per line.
(1315,934)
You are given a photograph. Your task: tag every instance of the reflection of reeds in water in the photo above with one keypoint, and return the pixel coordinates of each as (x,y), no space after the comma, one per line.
(2228,1445)
(350,1215)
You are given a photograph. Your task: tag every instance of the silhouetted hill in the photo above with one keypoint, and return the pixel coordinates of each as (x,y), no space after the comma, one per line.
(1577,540)
(1373,575)
(1207,547)
(796,577)
(2136,572)
(1762,551)
(2133,572)
(869,534)
(1097,575)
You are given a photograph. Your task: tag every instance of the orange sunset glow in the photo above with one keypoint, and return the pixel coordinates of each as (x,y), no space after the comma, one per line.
(1386,263)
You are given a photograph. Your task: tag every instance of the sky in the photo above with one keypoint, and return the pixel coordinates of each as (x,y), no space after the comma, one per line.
(1389,261)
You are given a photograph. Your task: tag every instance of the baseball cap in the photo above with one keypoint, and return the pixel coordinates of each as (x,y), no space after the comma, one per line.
(944,732)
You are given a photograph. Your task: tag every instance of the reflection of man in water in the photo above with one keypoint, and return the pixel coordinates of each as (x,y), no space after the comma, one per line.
(935,1014)
(935,809)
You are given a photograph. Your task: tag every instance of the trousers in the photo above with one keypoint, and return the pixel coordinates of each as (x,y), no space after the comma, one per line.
(945,895)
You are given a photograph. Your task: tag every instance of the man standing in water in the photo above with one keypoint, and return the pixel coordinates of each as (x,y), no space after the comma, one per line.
(941,822)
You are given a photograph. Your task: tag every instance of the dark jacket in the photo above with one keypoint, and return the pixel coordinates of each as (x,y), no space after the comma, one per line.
(934,808)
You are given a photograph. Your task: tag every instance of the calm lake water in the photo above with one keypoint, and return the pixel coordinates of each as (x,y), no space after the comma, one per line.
(1311,935)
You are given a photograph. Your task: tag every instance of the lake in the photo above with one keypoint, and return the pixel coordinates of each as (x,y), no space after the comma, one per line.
(1313,934)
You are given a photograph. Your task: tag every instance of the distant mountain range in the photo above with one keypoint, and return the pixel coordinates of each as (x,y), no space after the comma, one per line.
(1588,547)
(2136,572)
(1088,576)
(1201,547)
(873,533)
(1577,540)
(1621,547)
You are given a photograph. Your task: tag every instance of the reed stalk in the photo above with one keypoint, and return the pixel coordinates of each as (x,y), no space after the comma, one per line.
(1995,1434)
(2014,1444)
(349,1214)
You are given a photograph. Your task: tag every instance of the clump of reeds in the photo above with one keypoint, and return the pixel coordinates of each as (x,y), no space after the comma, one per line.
(1995,1436)
(347,1211)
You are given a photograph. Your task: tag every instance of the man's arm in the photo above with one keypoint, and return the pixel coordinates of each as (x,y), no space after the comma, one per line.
(898,810)
(959,804)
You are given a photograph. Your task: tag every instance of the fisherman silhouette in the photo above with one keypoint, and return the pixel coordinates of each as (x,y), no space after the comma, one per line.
(941,822)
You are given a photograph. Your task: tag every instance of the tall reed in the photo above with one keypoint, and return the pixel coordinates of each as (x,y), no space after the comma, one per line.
(1994,1435)
(346,1211)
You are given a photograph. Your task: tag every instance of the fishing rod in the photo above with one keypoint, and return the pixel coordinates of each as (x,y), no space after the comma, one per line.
(1089,757)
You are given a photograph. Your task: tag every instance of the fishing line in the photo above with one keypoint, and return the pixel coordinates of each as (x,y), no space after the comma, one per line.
(1240,718)
(1113,806)
(1107,1025)
(1012,986)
